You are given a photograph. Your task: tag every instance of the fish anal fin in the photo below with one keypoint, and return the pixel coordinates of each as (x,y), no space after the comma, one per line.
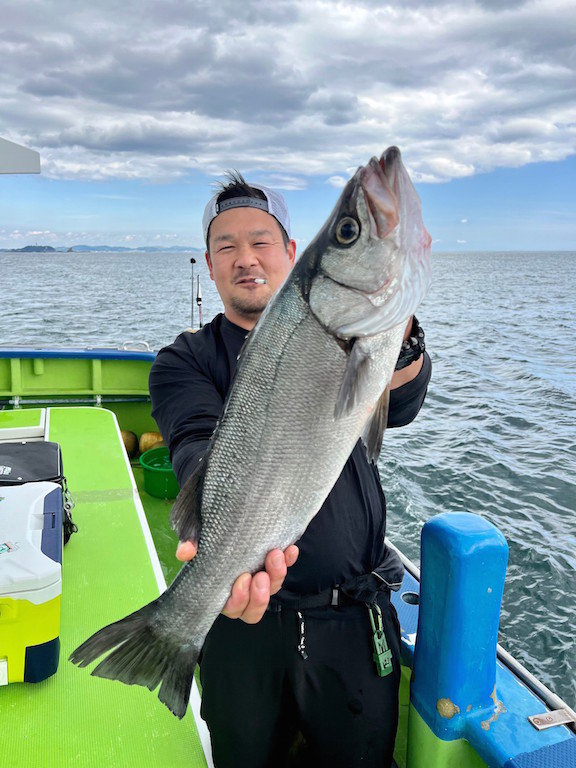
(185,517)
(375,427)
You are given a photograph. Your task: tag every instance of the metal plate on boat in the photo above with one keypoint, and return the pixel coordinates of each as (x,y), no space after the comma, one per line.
(550,719)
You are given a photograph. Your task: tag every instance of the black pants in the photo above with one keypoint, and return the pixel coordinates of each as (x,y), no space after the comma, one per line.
(259,694)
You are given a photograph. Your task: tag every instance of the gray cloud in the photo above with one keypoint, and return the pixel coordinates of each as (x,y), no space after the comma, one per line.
(297,87)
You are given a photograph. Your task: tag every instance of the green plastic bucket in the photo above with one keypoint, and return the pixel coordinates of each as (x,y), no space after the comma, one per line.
(159,478)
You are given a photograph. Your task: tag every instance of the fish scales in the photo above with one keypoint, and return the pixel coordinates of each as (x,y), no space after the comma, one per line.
(308,384)
(244,521)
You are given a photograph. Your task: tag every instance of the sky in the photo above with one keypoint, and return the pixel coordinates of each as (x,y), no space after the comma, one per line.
(137,108)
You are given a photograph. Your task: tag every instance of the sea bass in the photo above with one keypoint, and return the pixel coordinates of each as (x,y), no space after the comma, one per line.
(311,380)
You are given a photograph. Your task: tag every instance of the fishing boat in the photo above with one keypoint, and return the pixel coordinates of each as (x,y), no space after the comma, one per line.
(464,701)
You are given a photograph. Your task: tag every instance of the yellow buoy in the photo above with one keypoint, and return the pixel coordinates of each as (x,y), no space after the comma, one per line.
(150,440)
(130,442)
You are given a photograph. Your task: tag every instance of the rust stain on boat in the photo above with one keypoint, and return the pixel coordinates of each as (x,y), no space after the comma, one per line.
(497,712)
(446,708)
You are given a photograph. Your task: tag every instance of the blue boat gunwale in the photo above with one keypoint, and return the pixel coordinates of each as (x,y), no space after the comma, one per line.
(98,353)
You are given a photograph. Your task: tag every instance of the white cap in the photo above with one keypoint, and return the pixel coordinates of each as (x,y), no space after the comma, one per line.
(274,204)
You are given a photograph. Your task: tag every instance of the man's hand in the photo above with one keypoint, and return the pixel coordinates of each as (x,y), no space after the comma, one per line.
(251,594)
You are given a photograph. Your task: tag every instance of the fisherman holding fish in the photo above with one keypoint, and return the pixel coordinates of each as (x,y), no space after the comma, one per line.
(301,661)
(274,413)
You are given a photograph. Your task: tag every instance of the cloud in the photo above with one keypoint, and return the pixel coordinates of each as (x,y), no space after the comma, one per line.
(296,88)
(339,182)
(463,221)
(281,181)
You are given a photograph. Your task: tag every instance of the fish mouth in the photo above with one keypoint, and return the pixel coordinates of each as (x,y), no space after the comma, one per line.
(377,180)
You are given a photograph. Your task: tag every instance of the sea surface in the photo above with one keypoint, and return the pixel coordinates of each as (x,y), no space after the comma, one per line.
(496,435)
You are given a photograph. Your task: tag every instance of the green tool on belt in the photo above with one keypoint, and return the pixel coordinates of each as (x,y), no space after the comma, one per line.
(382,654)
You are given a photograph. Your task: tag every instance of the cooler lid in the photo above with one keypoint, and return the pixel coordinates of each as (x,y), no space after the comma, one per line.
(29,461)
(24,567)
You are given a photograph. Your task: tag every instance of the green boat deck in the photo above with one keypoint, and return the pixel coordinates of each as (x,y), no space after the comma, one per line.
(110,569)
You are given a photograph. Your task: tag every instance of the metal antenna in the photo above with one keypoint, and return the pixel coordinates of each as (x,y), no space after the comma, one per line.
(199,301)
(192,262)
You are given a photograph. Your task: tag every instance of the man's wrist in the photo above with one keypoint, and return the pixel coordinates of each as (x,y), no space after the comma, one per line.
(412,347)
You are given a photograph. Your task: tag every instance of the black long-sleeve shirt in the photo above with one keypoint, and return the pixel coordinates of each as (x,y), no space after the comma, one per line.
(189,381)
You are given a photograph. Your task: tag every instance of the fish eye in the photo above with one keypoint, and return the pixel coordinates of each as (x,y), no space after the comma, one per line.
(347,231)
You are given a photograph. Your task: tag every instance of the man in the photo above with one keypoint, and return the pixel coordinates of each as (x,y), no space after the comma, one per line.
(301,661)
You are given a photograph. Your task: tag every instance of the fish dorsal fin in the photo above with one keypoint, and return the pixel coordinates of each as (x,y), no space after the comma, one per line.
(185,516)
(374,430)
(353,380)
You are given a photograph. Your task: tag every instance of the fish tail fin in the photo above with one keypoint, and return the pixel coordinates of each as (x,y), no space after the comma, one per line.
(140,652)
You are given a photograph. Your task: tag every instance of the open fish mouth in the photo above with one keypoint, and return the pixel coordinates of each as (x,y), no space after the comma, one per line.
(377,182)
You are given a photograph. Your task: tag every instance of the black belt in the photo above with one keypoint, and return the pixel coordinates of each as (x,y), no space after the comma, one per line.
(333,597)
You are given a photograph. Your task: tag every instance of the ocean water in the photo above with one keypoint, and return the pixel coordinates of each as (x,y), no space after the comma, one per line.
(496,435)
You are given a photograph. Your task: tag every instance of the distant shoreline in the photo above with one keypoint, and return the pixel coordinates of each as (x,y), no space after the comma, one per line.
(101,249)
(177,249)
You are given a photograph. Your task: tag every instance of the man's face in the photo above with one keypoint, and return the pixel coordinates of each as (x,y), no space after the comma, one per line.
(248,261)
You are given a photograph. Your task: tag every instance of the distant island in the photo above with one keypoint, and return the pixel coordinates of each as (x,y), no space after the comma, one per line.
(32,249)
(102,248)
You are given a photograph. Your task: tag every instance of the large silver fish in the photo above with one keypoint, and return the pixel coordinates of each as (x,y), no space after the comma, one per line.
(312,379)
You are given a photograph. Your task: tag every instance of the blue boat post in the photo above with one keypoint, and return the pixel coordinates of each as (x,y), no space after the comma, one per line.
(466,708)
(464,560)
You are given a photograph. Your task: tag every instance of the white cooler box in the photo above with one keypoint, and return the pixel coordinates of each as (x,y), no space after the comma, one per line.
(30,581)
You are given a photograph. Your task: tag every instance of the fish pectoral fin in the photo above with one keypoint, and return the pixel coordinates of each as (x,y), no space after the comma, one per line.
(353,380)
(185,517)
(375,427)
